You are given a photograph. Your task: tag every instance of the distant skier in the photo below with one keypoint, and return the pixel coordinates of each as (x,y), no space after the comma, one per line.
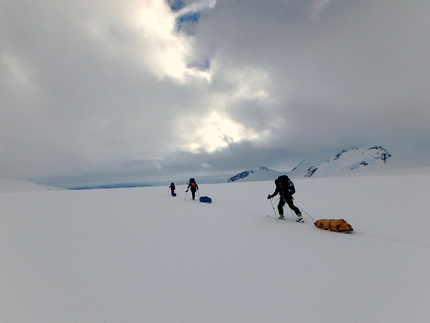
(172,189)
(285,188)
(192,185)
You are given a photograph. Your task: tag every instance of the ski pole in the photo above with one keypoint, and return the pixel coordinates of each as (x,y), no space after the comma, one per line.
(186,192)
(274,212)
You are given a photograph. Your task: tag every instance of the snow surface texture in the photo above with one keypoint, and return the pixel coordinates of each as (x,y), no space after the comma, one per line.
(139,255)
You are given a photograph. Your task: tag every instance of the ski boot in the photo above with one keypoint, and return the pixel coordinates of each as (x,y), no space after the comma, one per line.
(299,218)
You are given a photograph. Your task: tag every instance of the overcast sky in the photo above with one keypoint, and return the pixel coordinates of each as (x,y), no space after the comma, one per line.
(120,90)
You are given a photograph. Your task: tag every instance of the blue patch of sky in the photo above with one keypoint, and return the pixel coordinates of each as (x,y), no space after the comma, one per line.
(189,17)
(175,5)
(187,22)
(201,65)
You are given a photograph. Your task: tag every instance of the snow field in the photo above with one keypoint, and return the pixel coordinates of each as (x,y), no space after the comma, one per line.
(139,255)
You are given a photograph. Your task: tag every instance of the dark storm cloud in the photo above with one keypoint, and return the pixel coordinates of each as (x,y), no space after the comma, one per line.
(364,62)
(102,90)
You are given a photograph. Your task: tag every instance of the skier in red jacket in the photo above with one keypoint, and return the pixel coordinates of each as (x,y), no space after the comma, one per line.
(193,187)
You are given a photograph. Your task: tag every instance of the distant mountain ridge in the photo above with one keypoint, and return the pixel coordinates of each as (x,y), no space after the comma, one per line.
(17,186)
(345,161)
(353,159)
(263,173)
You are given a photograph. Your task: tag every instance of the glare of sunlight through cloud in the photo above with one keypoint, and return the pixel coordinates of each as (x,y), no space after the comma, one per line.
(216,132)
(168,50)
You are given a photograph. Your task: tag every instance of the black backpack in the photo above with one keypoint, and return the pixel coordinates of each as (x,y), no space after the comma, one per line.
(192,182)
(285,182)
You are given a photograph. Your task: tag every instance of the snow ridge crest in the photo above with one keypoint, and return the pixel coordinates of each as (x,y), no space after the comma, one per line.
(353,159)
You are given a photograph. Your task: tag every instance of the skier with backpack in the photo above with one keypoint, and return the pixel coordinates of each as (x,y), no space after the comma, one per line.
(172,189)
(192,185)
(285,188)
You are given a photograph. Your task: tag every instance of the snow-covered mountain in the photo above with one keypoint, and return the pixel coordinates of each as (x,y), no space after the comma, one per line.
(262,174)
(14,186)
(327,164)
(365,158)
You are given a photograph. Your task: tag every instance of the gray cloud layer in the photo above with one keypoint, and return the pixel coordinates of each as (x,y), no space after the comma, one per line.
(101,89)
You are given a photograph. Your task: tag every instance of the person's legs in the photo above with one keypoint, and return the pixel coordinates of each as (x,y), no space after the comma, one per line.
(296,210)
(281,207)
(193,193)
(289,200)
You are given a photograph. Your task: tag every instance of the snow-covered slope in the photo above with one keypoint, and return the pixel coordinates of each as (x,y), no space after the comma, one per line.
(14,186)
(327,164)
(138,255)
(262,174)
(357,159)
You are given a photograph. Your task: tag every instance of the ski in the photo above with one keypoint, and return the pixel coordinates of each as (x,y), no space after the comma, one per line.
(345,231)
(285,218)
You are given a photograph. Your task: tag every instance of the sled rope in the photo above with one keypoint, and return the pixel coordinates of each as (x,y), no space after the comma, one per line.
(303,211)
